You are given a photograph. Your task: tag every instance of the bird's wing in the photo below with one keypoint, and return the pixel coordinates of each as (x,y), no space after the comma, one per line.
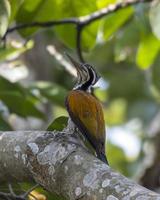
(86,112)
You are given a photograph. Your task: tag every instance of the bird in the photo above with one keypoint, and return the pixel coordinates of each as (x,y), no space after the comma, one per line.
(85,110)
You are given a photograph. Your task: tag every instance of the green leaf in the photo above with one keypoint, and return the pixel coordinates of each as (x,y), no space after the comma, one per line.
(37,10)
(15,4)
(29,10)
(117,158)
(58,124)
(4,16)
(51,91)
(147,51)
(5,85)
(26,186)
(4,126)
(69,8)
(19,105)
(11,52)
(104,3)
(126,42)
(30,5)
(18,99)
(89,36)
(114,21)
(154,16)
(115,113)
(67,37)
(59,9)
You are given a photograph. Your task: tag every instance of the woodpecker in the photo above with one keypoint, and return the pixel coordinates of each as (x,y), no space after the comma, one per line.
(85,110)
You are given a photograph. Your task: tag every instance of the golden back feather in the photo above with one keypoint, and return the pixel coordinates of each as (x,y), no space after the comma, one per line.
(86,112)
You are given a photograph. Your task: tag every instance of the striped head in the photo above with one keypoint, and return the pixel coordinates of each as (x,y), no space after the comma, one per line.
(86,75)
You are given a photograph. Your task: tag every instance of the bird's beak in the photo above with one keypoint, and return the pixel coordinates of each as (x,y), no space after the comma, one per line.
(75,63)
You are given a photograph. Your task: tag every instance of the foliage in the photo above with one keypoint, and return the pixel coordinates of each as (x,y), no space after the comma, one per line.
(58,124)
(123,46)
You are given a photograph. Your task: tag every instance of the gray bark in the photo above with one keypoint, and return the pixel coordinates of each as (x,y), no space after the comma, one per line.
(58,162)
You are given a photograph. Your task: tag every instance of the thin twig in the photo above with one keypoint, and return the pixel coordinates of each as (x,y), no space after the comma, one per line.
(85,20)
(12,196)
(41,24)
(78,43)
(81,21)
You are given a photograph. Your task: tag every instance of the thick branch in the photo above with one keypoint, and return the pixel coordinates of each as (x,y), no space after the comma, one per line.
(56,161)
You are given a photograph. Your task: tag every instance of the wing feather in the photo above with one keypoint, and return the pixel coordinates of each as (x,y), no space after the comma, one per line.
(86,112)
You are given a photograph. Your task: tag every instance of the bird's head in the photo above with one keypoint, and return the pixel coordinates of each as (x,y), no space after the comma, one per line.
(86,75)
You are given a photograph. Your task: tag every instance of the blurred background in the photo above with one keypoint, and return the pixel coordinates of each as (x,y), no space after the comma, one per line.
(35,75)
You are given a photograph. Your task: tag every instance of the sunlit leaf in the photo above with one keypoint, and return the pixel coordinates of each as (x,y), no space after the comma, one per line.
(28,10)
(114,21)
(11,52)
(55,10)
(89,36)
(104,3)
(77,8)
(4,16)
(15,4)
(115,113)
(36,195)
(154,16)
(49,196)
(37,10)
(101,94)
(147,51)
(58,124)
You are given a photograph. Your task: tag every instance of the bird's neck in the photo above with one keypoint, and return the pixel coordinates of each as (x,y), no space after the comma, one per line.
(82,88)
(87,85)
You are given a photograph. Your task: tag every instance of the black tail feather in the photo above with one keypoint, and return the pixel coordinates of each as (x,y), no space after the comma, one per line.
(103,158)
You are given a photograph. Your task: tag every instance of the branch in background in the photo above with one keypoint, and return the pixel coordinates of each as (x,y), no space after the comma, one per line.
(56,161)
(80,22)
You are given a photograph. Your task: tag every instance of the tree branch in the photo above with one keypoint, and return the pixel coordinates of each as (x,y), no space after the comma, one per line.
(58,162)
(80,22)
(85,20)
